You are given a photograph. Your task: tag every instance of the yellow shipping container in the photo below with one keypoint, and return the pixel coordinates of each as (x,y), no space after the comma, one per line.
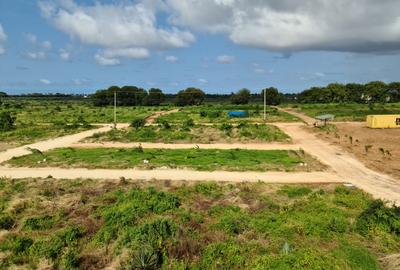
(383,121)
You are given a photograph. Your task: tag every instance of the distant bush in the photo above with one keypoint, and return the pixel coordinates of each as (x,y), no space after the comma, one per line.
(138,123)
(6,121)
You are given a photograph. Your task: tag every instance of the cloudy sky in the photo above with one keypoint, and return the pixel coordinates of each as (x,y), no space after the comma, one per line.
(218,45)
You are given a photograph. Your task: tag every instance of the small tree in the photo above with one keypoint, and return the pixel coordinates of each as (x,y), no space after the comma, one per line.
(190,96)
(6,121)
(241,97)
(273,97)
(138,123)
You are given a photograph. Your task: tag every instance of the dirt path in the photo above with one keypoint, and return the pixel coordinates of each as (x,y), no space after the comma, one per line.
(153,118)
(250,146)
(347,167)
(307,119)
(65,141)
(173,174)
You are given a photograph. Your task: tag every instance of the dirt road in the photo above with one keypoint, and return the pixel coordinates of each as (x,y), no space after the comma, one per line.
(65,141)
(346,166)
(307,119)
(173,174)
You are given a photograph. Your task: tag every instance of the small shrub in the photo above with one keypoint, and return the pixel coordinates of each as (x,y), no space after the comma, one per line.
(6,222)
(6,121)
(70,259)
(293,191)
(378,216)
(165,124)
(138,123)
(146,258)
(39,223)
(189,123)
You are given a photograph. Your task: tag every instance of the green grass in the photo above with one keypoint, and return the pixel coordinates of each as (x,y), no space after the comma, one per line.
(26,134)
(195,134)
(181,225)
(347,112)
(42,119)
(219,114)
(198,159)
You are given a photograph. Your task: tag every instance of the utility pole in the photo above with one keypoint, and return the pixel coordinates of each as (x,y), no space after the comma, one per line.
(115,109)
(265,105)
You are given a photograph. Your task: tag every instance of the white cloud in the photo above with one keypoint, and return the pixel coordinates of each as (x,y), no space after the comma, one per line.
(64,55)
(204,81)
(36,55)
(259,70)
(129,29)
(171,58)
(288,26)
(132,53)
(111,57)
(45,81)
(81,81)
(3,39)
(225,59)
(47,45)
(101,60)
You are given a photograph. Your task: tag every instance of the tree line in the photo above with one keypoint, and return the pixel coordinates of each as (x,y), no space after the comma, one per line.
(135,96)
(369,93)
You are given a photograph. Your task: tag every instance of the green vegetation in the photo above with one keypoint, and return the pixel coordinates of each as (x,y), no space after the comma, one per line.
(188,132)
(198,159)
(178,225)
(347,111)
(25,121)
(219,114)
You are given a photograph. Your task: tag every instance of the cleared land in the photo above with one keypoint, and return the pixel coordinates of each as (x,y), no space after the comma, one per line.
(190,133)
(345,112)
(198,159)
(181,225)
(219,114)
(379,149)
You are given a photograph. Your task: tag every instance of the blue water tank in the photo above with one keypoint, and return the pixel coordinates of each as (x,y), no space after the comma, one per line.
(237,114)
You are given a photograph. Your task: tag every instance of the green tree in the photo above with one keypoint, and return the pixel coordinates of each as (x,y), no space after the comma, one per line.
(126,96)
(394,91)
(155,97)
(241,97)
(273,97)
(190,96)
(6,121)
(376,92)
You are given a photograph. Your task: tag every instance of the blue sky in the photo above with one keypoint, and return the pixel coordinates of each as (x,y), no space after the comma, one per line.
(80,46)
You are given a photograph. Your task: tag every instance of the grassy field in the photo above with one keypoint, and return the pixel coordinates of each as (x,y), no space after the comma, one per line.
(42,119)
(69,111)
(25,134)
(198,159)
(86,224)
(346,112)
(184,133)
(213,113)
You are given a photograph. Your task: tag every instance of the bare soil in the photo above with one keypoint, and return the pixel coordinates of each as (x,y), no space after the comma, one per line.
(383,145)
(5,146)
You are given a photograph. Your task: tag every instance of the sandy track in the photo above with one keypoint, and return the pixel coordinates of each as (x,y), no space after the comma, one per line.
(345,165)
(250,146)
(65,141)
(173,174)
(307,119)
